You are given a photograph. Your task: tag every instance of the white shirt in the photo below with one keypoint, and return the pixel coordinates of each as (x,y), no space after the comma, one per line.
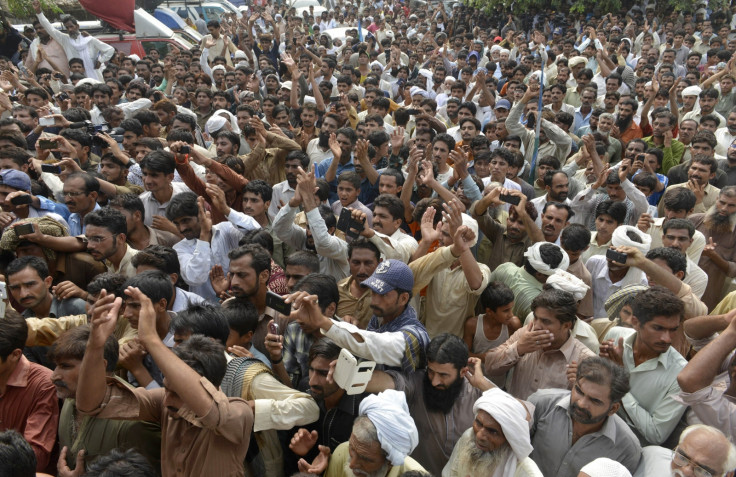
(282,193)
(539,204)
(315,153)
(153,207)
(696,278)
(128,108)
(401,247)
(725,138)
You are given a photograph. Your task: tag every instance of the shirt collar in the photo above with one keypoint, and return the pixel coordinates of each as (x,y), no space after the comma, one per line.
(629,352)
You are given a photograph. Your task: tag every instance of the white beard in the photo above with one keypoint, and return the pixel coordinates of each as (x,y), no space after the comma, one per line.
(348,472)
(473,461)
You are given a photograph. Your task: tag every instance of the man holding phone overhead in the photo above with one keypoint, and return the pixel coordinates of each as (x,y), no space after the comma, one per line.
(17,201)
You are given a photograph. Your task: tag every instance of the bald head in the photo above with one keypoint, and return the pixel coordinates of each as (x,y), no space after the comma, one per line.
(706,447)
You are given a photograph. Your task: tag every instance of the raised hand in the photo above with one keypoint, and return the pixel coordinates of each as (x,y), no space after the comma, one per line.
(613,351)
(67,289)
(429,231)
(104,318)
(303,441)
(335,147)
(533,340)
(274,344)
(219,280)
(645,222)
(319,464)
(63,469)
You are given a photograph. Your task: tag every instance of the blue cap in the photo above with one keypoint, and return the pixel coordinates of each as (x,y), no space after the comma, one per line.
(390,275)
(15,179)
(558,31)
(503,103)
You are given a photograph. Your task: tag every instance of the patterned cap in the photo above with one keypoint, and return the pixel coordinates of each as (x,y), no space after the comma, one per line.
(390,275)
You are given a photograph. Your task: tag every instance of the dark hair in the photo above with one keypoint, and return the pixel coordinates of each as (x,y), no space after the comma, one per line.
(496,295)
(203,319)
(108,218)
(676,260)
(364,243)
(679,224)
(446,138)
(17,458)
(159,161)
(603,371)
(656,301)
(678,198)
(559,302)
(20,264)
(132,125)
(205,356)
(155,284)
(392,203)
(646,179)
(447,348)
(159,257)
(128,202)
(112,282)
(177,134)
(72,344)
(259,188)
(322,285)
(550,253)
(241,315)
(299,155)
(616,210)
(559,205)
(13,334)
(303,258)
(147,117)
(324,348)
(183,204)
(90,183)
(575,237)
(260,258)
(706,161)
(396,174)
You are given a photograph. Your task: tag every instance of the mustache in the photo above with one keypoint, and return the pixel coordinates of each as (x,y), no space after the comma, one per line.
(60,384)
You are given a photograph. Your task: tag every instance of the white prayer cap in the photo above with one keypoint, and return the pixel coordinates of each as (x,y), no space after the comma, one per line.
(511,416)
(621,239)
(534,255)
(218,68)
(135,58)
(566,281)
(576,60)
(417,90)
(605,467)
(214,124)
(395,427)
(472,224)
(691,91)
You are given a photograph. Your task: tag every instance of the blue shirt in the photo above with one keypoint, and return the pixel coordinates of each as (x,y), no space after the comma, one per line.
(321,170)
(76,222)
(415,336)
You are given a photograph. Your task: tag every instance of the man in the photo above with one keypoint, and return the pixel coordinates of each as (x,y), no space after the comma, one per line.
(653,364)
(540,352)
(609,276)
(355,298)
(284,191)
(217,43)
(95,437)
(374,447)
(557,187)
(29,404)
(707,100)
(140,235)
(661,138)
(555,217)
(386,232)
(497,442)
(14,183)
(609,215)
(678,234)
(726,135)
(106,240)
(158,169)
(540,261)
(568,432)
(80,196)
(217,428)
(702,450)
(626,127)
(89,49)
(701,171)
(719,255)
(438,395)
(53,57)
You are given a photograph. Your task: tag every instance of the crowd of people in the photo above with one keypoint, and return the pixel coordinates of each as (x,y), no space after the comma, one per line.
(525,222)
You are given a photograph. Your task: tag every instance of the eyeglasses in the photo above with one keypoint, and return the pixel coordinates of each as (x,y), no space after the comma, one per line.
(681,460)
(98,240)
(73,194)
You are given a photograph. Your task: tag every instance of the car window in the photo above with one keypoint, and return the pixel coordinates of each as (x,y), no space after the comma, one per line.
(212,13)
(161,46)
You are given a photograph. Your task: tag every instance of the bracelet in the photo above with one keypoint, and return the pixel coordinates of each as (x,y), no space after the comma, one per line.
(279,361)
(185,161)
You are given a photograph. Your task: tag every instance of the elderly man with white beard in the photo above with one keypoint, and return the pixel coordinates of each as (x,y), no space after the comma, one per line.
(498,444)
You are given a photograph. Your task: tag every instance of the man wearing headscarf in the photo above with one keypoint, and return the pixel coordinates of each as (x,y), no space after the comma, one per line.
(383,437)
(540,353)
(498,444)
(610,276)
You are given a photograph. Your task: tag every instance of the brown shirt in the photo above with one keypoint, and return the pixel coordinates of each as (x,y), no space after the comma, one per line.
(79,268)
(502,250)
(213,444)
(359,308)
(585,308)
(726,248)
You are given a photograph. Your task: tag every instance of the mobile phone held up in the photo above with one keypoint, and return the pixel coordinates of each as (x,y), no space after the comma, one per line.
(615,256)
(277,303)
(510,199)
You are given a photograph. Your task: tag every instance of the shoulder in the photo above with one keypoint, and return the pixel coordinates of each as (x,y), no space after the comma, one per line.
(544,400)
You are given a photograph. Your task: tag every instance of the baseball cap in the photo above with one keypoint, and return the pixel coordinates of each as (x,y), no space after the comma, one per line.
(558,31)
(390,275)
(17,180)
(286,85)
(503,104)
(498,38)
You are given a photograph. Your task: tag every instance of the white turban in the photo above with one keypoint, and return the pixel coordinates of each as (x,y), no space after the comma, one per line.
(534,256)
(214,124)
(377,63)
(504,51)
(218,68)
(566,281)
(620,239)
(427,74)
(576,60)
(417,90)
(496,48)
(605,467)
(396,430)
(691,91)
(511,416)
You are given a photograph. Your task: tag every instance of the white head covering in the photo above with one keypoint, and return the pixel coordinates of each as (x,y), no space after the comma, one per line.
(414,90)
(218,67)
(691,91)
(396,430)
(620,239)
(216,125)
(427,74)
(377,63)
(511,415)
(576,60)
(535,259)
(135,58)
(566,281)
(605,467)
(472,224)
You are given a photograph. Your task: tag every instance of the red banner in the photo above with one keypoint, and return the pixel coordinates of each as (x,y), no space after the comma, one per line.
(118,13)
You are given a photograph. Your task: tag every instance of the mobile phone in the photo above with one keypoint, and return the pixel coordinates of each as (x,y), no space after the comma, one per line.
(640,157)
(356,226)
(277,303)
(51,168)
(23,229)
(184,150)
(510,199)
(413,112)
(343,222)
(351,375)
(47,121)
(615,256)
(273,328)
(335,99)
(46,144)
(24,199)
(58,75)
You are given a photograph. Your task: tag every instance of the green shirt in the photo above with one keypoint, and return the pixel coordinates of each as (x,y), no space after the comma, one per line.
(672,155)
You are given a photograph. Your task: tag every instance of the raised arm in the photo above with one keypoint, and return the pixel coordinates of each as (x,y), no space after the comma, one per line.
(705,365)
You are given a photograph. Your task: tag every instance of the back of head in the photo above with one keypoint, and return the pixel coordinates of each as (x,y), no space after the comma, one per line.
(205,356)
(13,333)
(205,319)
(155,284)
(17,458)
(446,348)
(323,286)
(119,463)
(575,237)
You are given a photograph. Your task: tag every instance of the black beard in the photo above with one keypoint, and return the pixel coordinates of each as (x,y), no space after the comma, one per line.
(623,123)
(441,400)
